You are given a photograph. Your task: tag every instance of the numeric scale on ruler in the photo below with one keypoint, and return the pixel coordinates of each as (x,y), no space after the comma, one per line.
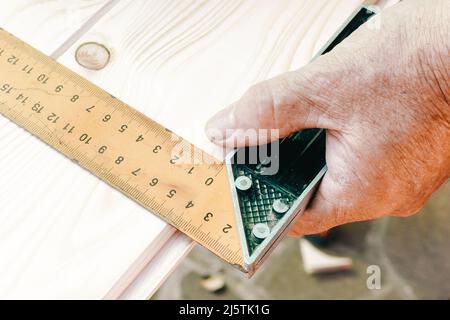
(232,209)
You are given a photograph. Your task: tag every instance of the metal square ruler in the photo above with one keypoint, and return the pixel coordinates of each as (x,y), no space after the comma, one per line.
(233,209)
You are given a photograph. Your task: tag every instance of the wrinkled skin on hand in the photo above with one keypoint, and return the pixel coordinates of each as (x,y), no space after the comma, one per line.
(384,97)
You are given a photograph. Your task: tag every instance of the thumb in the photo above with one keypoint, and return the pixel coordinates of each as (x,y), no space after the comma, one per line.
(293,101)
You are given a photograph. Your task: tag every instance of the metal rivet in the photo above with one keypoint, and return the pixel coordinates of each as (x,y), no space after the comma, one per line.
(92,56)
(243,183)
(279,206)
(260,231)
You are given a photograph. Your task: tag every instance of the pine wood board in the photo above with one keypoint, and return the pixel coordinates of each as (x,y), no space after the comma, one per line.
(179,62)
(65,234)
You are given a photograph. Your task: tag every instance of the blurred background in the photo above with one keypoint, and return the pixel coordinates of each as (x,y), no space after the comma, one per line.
(412,255)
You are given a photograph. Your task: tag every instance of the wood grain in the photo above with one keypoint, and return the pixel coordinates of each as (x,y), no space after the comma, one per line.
(63,233)
(46,24)
(182,61)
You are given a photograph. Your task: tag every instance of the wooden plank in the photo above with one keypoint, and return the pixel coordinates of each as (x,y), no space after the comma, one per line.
(65,234)
(46,24)
(181,61)
(177,61)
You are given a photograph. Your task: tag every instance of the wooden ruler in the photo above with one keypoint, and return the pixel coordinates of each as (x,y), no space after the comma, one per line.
(134,154)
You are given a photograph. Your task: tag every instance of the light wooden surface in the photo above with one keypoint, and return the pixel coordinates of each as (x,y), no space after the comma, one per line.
(46,24)
(66,235)
(63,233)
(182,61)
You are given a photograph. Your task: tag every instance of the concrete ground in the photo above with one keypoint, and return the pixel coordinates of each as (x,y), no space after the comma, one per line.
(413,255)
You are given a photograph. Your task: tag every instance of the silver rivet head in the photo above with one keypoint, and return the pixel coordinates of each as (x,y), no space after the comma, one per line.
(261,231)
(243,183)
(280,206)
(92,56)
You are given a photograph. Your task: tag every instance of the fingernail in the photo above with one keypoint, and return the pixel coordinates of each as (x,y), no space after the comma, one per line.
(220,127)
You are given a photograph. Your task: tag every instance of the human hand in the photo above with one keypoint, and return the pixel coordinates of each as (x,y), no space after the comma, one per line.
(384,97)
